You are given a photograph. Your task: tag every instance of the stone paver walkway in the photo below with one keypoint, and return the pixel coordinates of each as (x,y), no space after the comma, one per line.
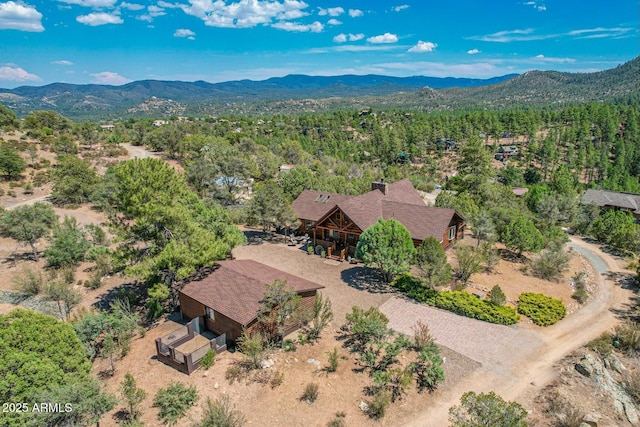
(486,343)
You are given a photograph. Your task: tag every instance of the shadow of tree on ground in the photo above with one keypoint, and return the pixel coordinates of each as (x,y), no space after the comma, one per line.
(366,279)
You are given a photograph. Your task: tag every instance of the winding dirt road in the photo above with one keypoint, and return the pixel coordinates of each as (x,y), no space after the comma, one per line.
(529,372)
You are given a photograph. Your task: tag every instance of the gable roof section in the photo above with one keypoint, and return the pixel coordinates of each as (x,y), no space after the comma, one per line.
(403,191)
(313,205)
(236,289)
(420,221)
(613,198)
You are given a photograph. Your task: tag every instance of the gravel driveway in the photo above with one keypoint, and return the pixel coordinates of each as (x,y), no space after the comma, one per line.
(483,342)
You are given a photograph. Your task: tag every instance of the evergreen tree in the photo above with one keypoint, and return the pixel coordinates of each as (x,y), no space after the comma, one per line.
(386,245)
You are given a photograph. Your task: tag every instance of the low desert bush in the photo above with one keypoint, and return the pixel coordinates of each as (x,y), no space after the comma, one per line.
(208,359)
(631,384)
(221,412)
(28,282)
(541,309)
(379,404)
(276,379)
(627,337)
(338,420)
(551,264)
(581,296)
(310,393)
(333,361)
(603,345)
(174,402)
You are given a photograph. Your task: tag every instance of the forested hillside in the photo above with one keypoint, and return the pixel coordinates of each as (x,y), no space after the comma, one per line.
(296,94)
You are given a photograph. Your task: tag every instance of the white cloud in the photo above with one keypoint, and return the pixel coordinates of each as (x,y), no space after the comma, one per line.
(17,16)
(99,18)
(91,3)
(247,13)
(341,38)
(62,62)
(183,32)
(354,13)
(109,78)
(473,51)
(422,47)
(155,11)
(334,22)
(401,7)
(145,18)
(316,27)
(536,6)
(17,74)
(528,34)
(438,69)
(600,33)
(511,36)
(542,58)
(131,6)
(383,38)
(332,11)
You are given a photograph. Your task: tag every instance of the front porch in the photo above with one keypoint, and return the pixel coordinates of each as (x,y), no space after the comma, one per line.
(184,348)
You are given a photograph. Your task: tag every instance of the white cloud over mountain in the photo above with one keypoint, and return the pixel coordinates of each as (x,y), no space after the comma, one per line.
(17,74)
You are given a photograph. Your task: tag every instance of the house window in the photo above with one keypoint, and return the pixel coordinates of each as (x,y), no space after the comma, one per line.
(210,313)
(452,233)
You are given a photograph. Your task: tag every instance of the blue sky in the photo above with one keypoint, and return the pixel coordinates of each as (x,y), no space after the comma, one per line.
(115,41)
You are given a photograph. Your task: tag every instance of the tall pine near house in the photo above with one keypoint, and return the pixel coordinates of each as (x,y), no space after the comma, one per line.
(387,246)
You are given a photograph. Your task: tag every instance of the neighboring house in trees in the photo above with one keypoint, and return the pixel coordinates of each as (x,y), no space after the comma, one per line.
(628,202)
(336,220)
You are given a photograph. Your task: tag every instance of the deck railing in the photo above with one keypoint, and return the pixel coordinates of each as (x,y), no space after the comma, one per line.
(166,349)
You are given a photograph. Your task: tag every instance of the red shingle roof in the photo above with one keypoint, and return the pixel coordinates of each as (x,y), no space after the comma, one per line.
(237,288)
(312,205)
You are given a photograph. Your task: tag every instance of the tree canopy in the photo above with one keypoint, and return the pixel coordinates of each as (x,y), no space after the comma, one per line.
(38,353)
(522,235)
(386,245)
(164,228)
(11,162)
(28,223)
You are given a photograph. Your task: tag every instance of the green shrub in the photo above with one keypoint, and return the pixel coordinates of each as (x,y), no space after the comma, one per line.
(174,401)
(29,282)
(310,393)
(208,359)
(496,296)
(378,406)
(627,337)
(541,309)
(603,345)
(338,420)
(459,302)
(221,412)
(333,360)
(551,264)
(289,345)
(581,296)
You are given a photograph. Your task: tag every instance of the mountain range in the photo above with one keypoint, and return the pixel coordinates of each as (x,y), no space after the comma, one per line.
(300,93)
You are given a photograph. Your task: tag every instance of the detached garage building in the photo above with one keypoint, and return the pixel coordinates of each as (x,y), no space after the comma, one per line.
(228,300)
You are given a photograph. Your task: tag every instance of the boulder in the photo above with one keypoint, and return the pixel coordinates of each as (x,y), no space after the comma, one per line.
(364,406)
(591,419)
(266,364)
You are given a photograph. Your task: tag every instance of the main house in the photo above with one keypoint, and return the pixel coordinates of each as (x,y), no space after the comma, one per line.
(628,202)
(336,220)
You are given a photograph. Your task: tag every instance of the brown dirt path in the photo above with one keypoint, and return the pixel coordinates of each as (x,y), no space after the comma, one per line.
(532,371)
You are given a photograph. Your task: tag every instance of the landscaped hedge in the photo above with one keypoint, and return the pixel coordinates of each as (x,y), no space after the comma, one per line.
(541,309)
(462,303)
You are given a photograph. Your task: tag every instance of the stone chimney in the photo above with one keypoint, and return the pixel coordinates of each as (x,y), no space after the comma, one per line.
(382,186)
